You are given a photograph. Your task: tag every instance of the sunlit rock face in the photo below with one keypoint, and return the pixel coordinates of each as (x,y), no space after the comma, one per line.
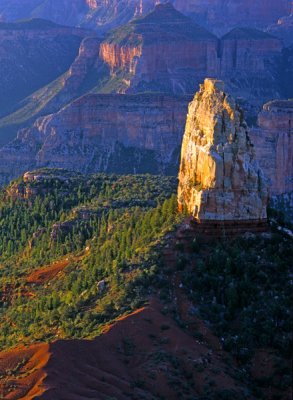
(162,52)
(219,178)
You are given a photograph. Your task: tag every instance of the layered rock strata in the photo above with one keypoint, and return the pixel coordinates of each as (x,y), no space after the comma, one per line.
(163,51)
(218,15)
(273,139)
(219,179)
(166,52)
(222,15)
(112,133)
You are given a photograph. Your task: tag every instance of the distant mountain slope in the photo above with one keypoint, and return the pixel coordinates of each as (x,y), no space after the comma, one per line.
(223,15)
(103,15)
(32,54)
(100,15)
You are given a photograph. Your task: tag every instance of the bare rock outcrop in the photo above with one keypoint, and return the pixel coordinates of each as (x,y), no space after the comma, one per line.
(219,177)
(164,51)
(110,133)
(273,139)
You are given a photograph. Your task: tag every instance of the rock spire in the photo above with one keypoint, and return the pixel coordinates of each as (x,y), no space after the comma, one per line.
(219,177)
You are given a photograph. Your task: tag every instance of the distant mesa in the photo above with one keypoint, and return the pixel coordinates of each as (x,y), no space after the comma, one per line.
(219,179)
(164,51)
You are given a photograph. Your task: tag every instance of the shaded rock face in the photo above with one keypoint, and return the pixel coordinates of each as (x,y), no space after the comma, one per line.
(274,144)
(247,50)
(28,53)
(101,15)
(248,62)
(283,29)
(61,11)
(112,133)
(273,139)
(222,15)
(219,178)
(84,73)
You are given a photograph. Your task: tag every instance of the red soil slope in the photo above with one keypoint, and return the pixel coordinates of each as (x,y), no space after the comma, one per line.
(142,356)
(22,372)
(45,274)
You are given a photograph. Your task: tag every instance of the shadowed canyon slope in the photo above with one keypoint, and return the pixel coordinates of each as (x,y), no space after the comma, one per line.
(218,15)
(29,51)
(100,15)
(273,140)
(221,15)
(28,58)
(163,52)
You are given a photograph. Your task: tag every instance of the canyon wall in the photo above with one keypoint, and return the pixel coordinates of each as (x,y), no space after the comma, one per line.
(166,52)
(28,54)
(222,15)
(112,133)
(103,15)
(219,177)
(273,140)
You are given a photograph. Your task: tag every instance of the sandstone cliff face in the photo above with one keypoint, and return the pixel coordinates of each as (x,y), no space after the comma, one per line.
(113,133)
(219,178)
(273,141)
(86,61)
(117,57)
(84,73)
(164,52)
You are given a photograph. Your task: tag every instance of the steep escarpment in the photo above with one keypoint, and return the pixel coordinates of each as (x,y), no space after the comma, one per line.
(273,139)
(28,55)
(222,15)
(135,133)
(61,11)
(219,178)
(84,73)
(166,52)
(248,61)
(163,51)
(101,15)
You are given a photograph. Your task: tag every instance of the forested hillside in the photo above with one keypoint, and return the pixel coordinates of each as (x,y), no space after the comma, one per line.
(78,230)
